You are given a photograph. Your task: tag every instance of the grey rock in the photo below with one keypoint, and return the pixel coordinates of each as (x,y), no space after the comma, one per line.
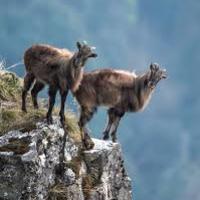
(32,167)
(106,166)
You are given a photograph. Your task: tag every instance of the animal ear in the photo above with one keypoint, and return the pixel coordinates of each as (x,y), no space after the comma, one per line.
(93,55)
(78,44)
(151,66)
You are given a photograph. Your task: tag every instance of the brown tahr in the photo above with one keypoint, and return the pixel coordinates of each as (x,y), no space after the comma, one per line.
(61,69)
(120,91)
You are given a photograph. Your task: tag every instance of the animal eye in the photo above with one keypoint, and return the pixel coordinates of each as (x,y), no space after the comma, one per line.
(145,82)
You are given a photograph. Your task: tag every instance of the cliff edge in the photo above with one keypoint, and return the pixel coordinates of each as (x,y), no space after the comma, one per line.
(32,166)
(40,161)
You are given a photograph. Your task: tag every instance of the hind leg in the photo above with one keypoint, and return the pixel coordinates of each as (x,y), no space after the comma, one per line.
(114,118)
(38,86)
(28,81)
(111,118)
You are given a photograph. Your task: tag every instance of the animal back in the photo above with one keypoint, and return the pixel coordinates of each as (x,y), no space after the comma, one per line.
(45,55)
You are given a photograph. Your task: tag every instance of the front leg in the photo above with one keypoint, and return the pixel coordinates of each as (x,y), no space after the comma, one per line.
(85,117)
(38,86)
(63,94)
(52,97)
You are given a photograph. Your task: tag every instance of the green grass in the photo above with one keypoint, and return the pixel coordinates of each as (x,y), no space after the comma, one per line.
(15,119)
(10,86)
(11,116)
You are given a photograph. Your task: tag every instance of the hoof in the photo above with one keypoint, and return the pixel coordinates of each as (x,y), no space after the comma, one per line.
(24,110)
(88,143)
(49,120)
(114,140)
(36,107)
(106,137)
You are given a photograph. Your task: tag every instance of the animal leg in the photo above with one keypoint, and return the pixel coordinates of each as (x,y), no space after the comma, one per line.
(38,86)
(52,97)
(63,95)
(85,117)
(114,115)
(111,118)
(113,128)
(28,81)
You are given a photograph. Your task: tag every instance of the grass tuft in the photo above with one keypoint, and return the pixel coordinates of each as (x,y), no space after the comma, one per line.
(87,186)
(15,119)
(58,192)
(10,86)
(11,116)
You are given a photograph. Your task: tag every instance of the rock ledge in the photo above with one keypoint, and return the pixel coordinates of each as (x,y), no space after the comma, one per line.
(32,166)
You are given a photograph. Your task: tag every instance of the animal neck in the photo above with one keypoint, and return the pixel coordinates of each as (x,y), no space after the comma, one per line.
(75,75)
(143,92)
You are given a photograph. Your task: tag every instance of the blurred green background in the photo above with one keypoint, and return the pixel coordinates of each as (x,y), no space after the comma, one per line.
(160,145)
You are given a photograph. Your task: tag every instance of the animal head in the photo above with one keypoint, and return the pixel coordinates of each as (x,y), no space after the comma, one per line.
(84,52)
(155,74)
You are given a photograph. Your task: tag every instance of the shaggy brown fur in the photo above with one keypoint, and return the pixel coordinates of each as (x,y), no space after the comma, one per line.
(118,90)
(59,68)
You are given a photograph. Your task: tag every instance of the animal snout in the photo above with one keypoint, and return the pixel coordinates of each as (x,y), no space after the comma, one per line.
(151,85)
(93,55)
(164,74)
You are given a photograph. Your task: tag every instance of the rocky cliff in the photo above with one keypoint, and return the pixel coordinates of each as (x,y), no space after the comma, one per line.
(32,166)
(40,161)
